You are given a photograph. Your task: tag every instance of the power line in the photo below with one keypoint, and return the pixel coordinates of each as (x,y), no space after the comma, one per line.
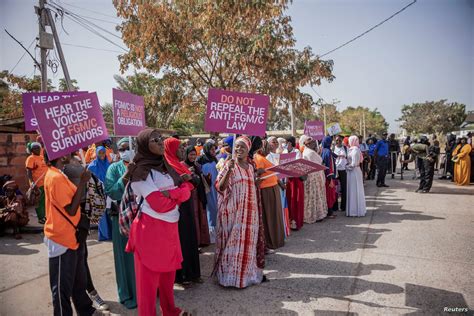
(372,28)
(85,9)
(19,60)
(90,47)
(82,18)
(86,24)
(34,59)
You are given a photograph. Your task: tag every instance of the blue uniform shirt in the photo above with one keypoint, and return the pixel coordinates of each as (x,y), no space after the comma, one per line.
(371,149)
(382,148)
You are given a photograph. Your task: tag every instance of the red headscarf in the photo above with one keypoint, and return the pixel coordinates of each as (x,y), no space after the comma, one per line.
(346,141)
(171,147)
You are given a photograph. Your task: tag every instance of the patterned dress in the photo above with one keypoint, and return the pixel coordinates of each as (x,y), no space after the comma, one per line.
(315,205)
(237,230)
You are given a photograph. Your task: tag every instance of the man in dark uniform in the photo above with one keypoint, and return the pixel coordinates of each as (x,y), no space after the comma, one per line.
(394,151)
(381,159)
(426,156)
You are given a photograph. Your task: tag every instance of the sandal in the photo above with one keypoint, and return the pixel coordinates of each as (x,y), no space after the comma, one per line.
(185,313)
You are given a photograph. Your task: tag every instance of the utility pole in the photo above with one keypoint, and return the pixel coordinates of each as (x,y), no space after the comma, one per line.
(324,118)
(42,45)
(292,115)
(363,120)
(60,51)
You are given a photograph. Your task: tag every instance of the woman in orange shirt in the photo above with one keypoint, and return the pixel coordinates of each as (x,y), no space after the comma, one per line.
(271,199)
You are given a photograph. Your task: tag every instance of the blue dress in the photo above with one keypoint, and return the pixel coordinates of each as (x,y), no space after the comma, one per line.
(211,206)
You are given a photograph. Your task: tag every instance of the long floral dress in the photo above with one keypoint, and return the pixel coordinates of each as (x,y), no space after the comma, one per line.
(237,230)
(315,204)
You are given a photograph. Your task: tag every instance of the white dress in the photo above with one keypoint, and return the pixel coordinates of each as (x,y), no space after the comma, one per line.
(355,185)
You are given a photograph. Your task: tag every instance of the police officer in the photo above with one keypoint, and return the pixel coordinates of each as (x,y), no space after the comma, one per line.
(381,155)
(426,157)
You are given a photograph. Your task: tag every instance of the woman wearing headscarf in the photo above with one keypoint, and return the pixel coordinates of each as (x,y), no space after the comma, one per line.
(273,226)
(315,204)
(281,145)
(355,181)
(12,209)
(330,172)
(225,152)
(208,163)
(198,196)
(238,221)
(154,237)
(462,162)
(114,188)
(274,158)
(295,191)
(99,167)
(191,270)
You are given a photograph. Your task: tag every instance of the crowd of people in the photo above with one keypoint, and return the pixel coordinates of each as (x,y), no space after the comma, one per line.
(189,196)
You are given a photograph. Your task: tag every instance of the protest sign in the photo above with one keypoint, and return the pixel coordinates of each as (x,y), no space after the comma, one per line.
(236,112)
(285,158)
(314,129)
(129,113)
(67,125)
(31,99)
(297,168)
(334,129)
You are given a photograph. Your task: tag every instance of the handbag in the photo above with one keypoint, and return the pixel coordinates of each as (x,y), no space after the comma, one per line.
(455,159)
(33,194)
(82,227)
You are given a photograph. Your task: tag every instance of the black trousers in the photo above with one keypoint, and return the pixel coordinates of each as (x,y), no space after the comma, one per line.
(392,163)
(68,279)
(90,285)
(382,164)
(372,168)
(342,174)
(426,169)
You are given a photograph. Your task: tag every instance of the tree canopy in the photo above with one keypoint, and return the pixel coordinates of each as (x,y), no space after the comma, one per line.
(352,121)
(432,117)
(235,45)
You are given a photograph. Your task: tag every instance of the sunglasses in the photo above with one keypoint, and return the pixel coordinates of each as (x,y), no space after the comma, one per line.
(124,149)
(156,139)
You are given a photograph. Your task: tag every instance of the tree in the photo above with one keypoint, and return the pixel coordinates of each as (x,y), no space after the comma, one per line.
(430,117)
(108,112)
(352,121)
(11,88)
(63,85)
(160,95)
(332,114)
(235,45)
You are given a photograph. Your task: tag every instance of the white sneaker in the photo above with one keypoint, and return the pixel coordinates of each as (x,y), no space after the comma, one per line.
(98,303)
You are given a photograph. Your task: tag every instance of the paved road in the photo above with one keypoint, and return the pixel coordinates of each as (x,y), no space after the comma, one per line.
(412,254)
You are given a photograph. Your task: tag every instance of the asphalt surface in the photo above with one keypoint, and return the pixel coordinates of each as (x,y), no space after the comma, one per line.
(411,254)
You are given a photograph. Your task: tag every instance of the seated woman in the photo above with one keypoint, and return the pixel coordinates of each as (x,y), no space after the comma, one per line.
(12,210)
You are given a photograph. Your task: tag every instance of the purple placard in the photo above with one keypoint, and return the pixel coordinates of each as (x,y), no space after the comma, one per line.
(31,99)
(314,129)
(236,112)
(129,113)
(67,125)
(297,168)
(285,158)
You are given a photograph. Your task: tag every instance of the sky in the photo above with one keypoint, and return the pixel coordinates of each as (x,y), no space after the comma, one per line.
(425,53)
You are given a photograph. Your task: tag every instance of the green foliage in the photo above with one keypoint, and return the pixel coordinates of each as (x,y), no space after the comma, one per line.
(430,117)
(352,121)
